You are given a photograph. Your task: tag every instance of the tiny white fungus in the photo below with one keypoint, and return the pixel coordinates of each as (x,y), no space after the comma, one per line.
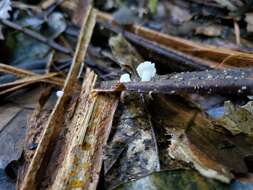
(125,78)
(146,71)
(59,93)
(244,87)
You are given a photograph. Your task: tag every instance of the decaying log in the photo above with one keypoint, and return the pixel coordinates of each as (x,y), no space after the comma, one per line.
(220,55)
(90,130)
(81,133)
(54,125)
(35,126)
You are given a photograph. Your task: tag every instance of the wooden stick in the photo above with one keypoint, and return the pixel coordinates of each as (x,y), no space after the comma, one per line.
(235,82)
(18,84)
(25,73)
(179,57)
(36,78)
(90,126)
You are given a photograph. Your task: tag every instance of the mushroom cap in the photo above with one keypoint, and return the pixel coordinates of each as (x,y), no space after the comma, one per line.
(146,70)
(125,78)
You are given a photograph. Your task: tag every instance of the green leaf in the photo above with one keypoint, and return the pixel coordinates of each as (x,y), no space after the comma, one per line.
(152,5)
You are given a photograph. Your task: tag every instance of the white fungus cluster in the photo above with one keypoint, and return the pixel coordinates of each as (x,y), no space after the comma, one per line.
(145,70)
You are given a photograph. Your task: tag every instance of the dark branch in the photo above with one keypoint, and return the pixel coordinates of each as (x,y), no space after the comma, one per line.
(169,53)
(235,82)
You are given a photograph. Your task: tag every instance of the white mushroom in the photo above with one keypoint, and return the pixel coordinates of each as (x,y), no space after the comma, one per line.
(59,93)
(125,78)
(146,71)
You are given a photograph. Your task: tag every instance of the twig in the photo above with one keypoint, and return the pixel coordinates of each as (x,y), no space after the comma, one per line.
(12,86)
(23,6)
(50,62)
(166,52)
(211,53)
(169,53)
(49,3)
(50,8)
(37,36)
(236,82)
(237,33)
(21,83)
(24,73)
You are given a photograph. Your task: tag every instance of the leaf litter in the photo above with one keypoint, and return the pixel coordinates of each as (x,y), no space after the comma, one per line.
(189,126)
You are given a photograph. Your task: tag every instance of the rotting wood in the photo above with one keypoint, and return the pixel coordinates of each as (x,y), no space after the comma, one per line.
(204,82)
(56,118)
(35,125)
(25,73)
(195,138)
(216,54)
(90,129)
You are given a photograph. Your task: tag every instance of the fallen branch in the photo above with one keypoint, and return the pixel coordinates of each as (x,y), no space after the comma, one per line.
(185,60)
(211,53)
(171,54)
(205,82)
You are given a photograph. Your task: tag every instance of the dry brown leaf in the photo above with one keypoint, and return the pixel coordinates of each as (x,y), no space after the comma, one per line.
(237,119)
(12,138)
